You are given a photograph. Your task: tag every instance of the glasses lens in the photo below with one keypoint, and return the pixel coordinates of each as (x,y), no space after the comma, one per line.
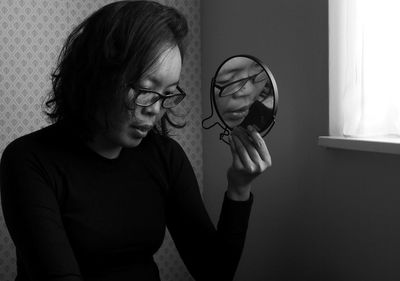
(146,98)
(262,76)
(233,88)
(170,102)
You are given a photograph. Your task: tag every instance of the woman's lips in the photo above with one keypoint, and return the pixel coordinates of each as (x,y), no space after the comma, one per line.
(141,130)
(237,114)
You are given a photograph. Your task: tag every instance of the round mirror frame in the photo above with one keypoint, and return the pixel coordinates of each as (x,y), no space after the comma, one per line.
(274,88)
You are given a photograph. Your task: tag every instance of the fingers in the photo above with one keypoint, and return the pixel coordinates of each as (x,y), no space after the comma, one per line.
(237,163)
(245,147)
(260,145)
(251,149)
(250,157)
(242,154)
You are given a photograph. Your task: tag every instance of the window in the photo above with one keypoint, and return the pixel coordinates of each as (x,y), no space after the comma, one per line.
(364,70)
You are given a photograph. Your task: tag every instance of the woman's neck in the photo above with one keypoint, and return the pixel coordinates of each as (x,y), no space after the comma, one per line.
(104,147)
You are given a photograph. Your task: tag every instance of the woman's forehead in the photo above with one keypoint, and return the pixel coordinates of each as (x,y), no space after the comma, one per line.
(237,64)
(167,69)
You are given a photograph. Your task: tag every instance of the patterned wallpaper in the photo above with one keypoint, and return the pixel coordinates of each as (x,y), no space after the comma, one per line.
(31,35)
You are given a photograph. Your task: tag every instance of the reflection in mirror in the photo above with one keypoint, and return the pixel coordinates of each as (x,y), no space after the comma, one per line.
(244,92)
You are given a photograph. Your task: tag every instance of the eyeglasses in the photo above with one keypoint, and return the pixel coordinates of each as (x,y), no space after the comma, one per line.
(145,97)
(235,86)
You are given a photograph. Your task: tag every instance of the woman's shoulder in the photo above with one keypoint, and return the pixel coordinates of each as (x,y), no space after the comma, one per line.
(31,143)
(165,143)
(167,149)
(173,158)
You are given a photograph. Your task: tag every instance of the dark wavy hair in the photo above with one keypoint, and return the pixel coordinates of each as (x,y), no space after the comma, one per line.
(115,45)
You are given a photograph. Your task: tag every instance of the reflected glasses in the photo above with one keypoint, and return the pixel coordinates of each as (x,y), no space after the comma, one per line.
(235,86)
(145,97)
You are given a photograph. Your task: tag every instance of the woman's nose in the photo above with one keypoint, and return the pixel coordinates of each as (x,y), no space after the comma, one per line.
(246,90)
(153,109)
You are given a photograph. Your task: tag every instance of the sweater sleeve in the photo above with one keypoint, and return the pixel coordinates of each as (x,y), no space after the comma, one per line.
(208,253)
(32,216)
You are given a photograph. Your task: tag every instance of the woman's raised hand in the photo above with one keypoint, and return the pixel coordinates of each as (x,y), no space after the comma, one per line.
(250,157)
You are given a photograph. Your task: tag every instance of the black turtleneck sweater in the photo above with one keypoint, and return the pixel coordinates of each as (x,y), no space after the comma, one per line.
(75,215)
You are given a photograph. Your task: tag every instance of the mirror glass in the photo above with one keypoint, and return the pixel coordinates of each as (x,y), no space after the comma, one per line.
(244,93)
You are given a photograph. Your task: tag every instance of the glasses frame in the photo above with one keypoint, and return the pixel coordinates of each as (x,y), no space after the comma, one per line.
(140,91)
(244,80)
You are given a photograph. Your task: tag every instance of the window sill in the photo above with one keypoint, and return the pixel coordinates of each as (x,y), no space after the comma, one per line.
(381,145)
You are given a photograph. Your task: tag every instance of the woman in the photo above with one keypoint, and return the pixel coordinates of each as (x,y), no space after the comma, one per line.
(89,197)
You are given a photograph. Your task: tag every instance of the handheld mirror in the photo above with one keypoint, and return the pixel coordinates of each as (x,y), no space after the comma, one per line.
(243,92)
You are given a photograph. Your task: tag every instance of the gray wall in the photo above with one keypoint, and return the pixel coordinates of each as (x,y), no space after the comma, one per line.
(319,214)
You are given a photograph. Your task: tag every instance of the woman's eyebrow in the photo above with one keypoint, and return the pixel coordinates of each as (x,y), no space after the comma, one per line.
(156,82)
(257,66)
(174,84)
(229,71)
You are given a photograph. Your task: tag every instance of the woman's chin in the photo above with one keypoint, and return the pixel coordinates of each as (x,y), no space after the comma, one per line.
(233,119)
(133,141)
(233,124)
(133,137)
(130,140)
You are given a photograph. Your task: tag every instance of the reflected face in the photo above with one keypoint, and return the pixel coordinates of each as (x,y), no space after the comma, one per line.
(129,127)
(239,83)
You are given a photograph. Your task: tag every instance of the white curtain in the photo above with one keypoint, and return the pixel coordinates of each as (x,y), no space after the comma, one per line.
(364,68)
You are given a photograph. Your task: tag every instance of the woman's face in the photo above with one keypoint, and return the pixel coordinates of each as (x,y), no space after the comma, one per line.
(128,127)
(234,108)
